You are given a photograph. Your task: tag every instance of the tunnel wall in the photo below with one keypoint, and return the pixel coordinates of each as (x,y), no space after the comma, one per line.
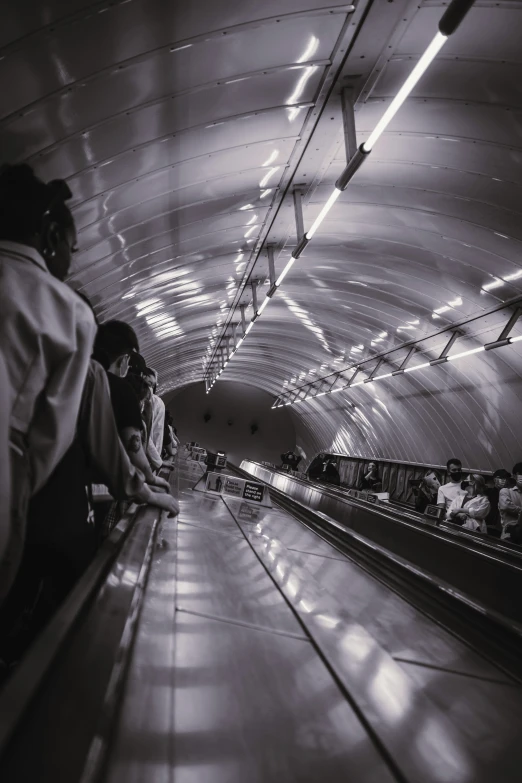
(241,404)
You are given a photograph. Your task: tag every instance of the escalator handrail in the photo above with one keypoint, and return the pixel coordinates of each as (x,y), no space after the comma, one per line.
(23,685)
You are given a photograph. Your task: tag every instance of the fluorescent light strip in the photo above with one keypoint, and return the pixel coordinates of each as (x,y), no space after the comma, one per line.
(285,271)
(263,305)
(417,367)
(465,353)
(322,214)
(461,355)
(428,56)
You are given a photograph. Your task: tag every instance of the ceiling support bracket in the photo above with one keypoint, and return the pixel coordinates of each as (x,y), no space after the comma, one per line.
(444,355)
(401,368)
(271,265)
(350,135)
(374,371)
(504,338)
(254,285)
(298,209)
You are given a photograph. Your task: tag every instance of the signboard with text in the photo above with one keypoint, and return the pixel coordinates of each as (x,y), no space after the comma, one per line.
(234,487)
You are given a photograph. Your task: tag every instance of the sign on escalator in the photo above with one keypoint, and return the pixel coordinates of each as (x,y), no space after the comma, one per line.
(234,487)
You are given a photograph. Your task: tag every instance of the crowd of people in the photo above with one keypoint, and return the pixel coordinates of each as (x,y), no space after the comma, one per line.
(466,500)
(78,408)
(469,502)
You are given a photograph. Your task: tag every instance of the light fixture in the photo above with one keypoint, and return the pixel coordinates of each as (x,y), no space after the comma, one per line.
(429,55)
(322,214)
(285,271)
(449,22)
(417,367)
(263,304)
(465,353)
(442,360)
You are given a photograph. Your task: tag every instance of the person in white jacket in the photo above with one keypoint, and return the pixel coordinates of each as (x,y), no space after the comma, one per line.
(155,443)
(471,506)
(46,338)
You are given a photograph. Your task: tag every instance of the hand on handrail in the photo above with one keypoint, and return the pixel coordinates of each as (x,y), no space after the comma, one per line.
(161,482)
(158,498)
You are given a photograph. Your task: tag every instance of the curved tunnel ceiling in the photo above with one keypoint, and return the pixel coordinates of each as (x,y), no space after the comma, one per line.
(182,130)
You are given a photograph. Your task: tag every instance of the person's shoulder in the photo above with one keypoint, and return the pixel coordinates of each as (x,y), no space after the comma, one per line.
(122,393)
(119,386)
(158,402)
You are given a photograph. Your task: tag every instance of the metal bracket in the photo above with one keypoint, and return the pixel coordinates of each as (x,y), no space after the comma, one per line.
(371,376)
(357,369)
(298,209)
(400,369)
(243,319)
(444,355)
(271,265)
(503,338)
(350,135)
(233,335)
(254,285)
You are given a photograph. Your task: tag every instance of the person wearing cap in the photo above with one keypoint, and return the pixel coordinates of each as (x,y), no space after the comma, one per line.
(501,480)
(46,338)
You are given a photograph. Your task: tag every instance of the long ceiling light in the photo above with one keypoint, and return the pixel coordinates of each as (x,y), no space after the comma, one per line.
(424,62)
(448,23)
(503,340)
(416,367)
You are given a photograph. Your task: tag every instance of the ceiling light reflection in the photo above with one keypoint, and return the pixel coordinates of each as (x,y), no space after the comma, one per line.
(310,50)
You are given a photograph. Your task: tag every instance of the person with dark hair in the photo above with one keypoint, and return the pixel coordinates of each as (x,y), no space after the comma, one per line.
(449,491)
(427,491)
(46,336)
(61,535)
(315,467)
(291,458)
(170,441)
(510,507)
(114,345)
(501,479)
(137,365)
(371,479)
(330,474)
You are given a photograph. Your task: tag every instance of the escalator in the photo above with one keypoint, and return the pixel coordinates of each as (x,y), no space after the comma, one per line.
(469,584)
(248,643)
